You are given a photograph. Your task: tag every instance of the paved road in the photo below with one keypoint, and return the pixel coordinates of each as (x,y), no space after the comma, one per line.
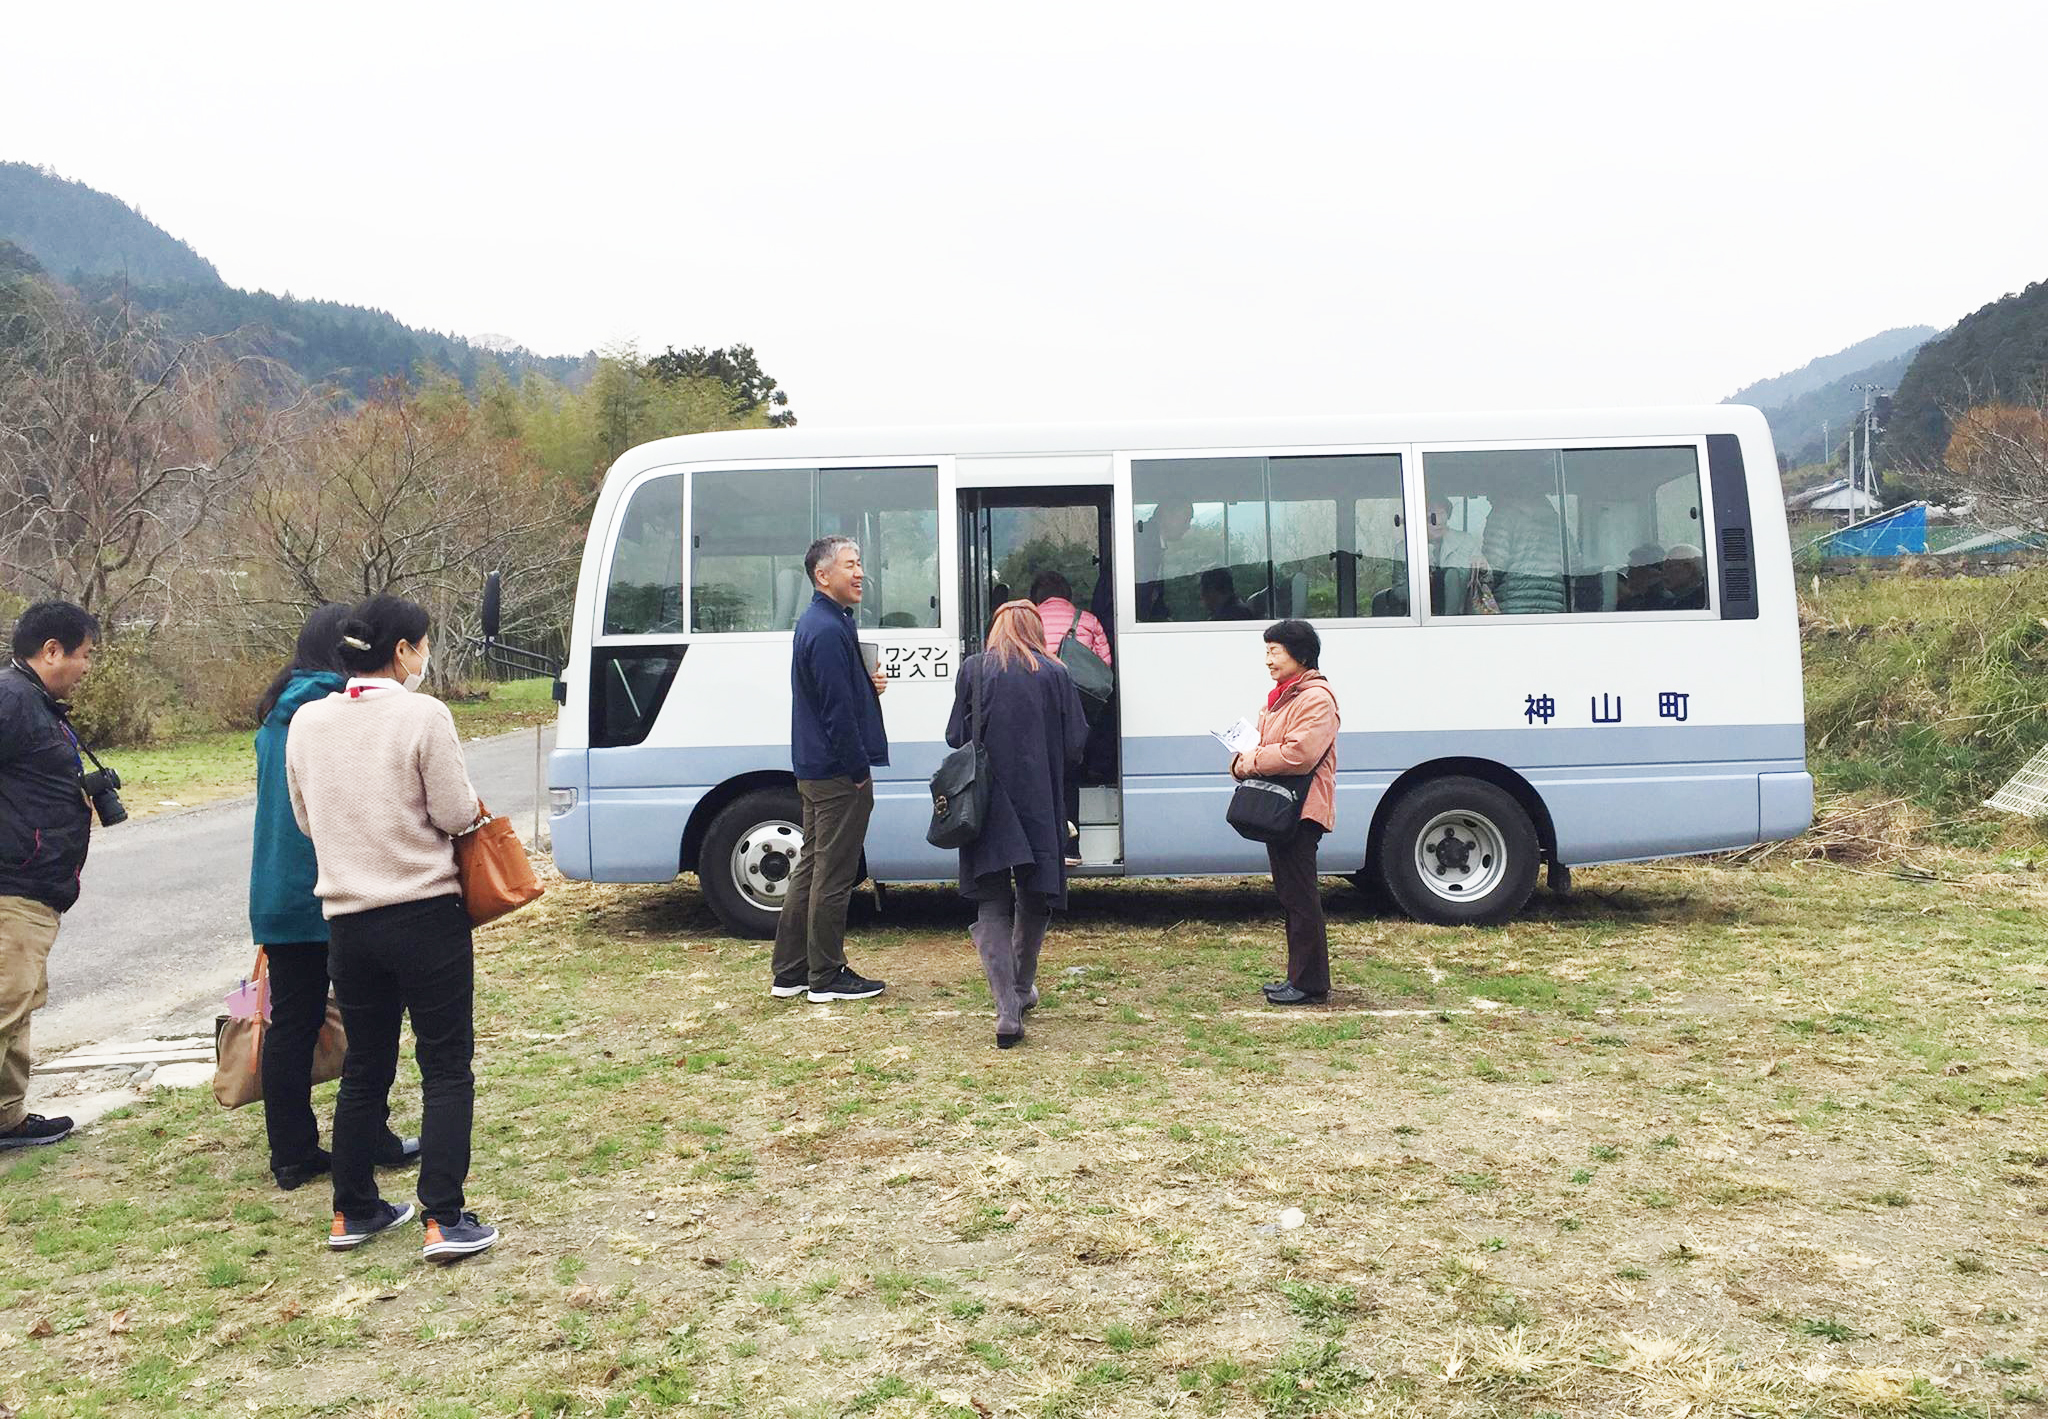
(161,930)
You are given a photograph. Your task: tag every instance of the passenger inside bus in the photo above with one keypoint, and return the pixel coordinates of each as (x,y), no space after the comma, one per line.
(1685,578)
(1642,585)
(1053,594)
(1454,563)
(1167,525)
(1220,599)
(1528,556)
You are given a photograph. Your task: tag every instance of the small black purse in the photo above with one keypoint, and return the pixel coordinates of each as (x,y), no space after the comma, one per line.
(1267,810)
(960,787)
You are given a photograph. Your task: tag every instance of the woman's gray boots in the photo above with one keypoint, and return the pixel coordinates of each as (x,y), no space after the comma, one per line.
(1028,934)
(993,942)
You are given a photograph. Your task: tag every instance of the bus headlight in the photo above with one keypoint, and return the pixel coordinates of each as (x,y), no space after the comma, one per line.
(560,801)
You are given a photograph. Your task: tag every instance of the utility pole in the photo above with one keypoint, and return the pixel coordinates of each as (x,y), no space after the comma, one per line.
(1869,470)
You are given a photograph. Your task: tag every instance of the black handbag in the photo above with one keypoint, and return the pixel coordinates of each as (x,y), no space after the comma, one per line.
(1268,810)
(1091,675)
(960,787)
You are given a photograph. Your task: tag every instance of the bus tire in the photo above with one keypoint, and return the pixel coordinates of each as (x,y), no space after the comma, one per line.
(749,852)
(1459,852)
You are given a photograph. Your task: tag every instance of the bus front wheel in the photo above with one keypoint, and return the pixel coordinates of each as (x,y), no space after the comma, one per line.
(1459,852)
(749,854)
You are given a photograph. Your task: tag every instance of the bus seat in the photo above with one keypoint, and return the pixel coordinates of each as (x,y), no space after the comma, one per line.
(1297,595)
(788,599)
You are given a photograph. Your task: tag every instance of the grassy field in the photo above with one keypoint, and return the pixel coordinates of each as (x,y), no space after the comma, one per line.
(1932,690)
(223,765)
(1695,1141)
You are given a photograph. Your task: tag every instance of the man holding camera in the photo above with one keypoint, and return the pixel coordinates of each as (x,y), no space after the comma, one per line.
(45,826)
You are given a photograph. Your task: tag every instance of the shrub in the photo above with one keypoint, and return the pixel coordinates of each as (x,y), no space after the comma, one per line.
(122,701)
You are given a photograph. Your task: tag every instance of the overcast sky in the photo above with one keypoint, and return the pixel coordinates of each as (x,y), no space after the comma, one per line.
(1040,212)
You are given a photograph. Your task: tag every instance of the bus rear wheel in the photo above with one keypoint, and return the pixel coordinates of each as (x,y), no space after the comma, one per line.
(1459,852)
(749,854)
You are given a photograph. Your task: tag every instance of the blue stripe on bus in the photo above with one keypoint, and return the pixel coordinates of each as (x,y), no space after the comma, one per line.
(1610,794)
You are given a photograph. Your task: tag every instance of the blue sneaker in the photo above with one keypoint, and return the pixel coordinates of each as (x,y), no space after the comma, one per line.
(349,1233)
(451,1241)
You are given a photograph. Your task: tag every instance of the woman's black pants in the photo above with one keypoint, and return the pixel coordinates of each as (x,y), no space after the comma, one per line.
(389,962)
(298,1012)
(1293,860)
(298,1008)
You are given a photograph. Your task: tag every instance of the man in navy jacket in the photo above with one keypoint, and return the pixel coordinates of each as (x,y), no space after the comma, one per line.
(45,828)
(835,739)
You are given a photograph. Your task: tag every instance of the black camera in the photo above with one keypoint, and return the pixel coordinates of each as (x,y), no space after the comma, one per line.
(103,787)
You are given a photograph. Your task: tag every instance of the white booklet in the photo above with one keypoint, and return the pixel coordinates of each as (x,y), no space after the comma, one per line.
(1240,738)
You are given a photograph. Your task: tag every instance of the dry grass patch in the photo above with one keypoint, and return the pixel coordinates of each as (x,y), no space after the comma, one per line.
(1695,1141)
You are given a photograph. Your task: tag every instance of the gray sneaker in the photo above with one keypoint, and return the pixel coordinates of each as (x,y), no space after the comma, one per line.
(451,1241)
(35,1131)
(348,1233)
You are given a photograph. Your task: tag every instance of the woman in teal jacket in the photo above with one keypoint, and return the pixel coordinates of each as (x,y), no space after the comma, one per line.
(284,917)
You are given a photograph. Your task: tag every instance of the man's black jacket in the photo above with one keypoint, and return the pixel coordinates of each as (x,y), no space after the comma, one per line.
(45,823)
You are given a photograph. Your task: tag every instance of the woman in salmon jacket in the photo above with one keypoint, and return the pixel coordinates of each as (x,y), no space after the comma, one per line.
(1298,735)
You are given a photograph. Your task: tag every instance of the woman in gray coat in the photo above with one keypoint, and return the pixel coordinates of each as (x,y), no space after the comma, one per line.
(1034,729)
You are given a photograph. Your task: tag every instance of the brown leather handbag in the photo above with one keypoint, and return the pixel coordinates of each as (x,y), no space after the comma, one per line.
(491,861)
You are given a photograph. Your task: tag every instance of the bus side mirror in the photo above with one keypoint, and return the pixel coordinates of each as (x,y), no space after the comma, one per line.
(491,618)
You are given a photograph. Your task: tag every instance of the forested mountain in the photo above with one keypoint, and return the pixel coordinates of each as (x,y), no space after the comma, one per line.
(1812,407)
(1810,428)
(348,346)
(75,230)
(1995,355)
(108,252)
(1780,390)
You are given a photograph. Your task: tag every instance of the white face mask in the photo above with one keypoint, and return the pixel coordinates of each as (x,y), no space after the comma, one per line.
(414,680)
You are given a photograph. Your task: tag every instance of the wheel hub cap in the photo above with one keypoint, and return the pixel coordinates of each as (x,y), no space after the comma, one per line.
(1452,853)
(1461,855)
(764,859)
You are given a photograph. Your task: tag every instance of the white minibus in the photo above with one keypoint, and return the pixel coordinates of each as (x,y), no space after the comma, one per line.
(1557,638)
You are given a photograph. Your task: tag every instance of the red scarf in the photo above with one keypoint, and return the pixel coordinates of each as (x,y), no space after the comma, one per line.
(1273,700)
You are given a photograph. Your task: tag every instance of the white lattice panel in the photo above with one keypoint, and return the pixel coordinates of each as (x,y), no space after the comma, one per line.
(2026,792)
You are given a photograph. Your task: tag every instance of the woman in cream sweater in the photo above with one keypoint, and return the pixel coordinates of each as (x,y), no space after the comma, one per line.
(379,784)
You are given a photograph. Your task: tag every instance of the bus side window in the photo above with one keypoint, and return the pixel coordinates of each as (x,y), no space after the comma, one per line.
(1642,540)
(1512,505)
(748,534)
(1339,548)
(1200,547)
(1243,539)
(644,591)
(1566,531)
(894,514)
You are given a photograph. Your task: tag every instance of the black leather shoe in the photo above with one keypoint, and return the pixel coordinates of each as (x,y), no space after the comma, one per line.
(1291,996)
(1275,985)
(293,1176)
(408,1153)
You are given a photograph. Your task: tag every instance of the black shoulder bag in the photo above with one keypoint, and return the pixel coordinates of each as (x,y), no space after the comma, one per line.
(960,787)
(1267,810)
(1092,677)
